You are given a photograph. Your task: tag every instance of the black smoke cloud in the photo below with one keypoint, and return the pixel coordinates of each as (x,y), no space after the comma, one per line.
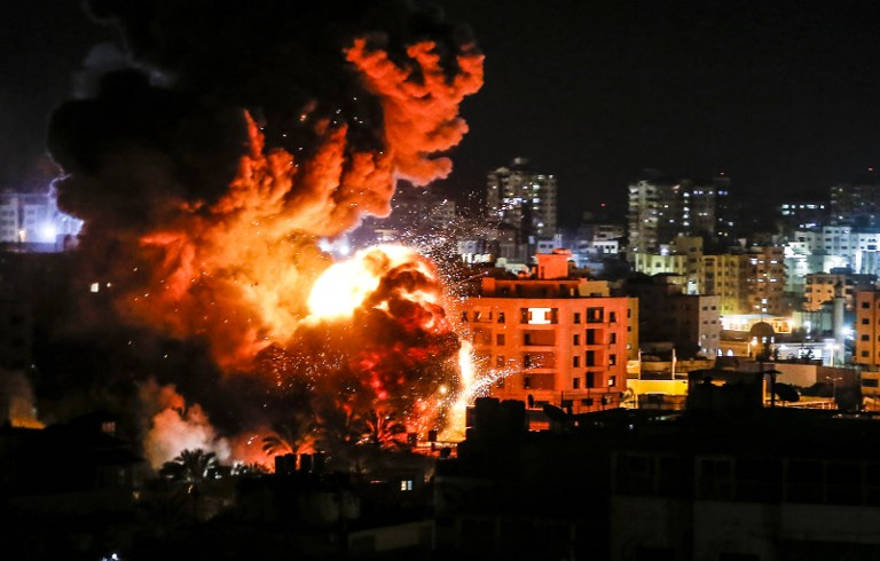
(170,128)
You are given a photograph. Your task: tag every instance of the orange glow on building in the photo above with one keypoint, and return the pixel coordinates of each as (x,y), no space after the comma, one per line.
(551,340)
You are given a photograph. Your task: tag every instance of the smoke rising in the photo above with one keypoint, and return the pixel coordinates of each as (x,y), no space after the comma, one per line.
(209,168)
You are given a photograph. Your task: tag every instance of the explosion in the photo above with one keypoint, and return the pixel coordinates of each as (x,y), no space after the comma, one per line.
(207,182)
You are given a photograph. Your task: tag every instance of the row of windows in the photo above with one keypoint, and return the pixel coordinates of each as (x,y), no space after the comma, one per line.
(591,337)
(546,316)
(591,358)
(591,380)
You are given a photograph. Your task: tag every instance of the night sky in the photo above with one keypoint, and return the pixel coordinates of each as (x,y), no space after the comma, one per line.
(785,99)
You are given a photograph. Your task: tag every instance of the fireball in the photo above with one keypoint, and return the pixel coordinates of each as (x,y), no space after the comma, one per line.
(345,285)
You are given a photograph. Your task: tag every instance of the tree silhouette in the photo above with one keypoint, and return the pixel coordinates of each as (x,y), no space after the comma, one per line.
(288,436)
(192,466)
(382,429)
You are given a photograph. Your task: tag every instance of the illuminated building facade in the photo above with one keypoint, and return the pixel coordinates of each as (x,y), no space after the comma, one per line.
(857,203)
(683,256)
(724,275)
(523,200)
(867,329)
(765,280)
(661,209)
(821,288)
(551,339)
(803,215)
(34,218)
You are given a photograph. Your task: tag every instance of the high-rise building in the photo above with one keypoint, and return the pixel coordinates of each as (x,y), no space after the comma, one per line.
(653,213)
(802,215)
(765,279)
(857,203)
(523,199)
(663,208)
(551,339)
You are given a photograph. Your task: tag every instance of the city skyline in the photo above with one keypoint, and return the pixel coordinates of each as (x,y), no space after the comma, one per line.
(743,89)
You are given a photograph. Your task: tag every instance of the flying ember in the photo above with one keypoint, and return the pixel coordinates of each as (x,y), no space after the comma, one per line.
(229,190)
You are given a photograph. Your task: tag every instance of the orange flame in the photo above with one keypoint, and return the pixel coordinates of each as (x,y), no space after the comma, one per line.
(238,271)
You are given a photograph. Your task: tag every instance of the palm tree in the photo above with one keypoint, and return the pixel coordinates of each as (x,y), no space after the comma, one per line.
(192,466)
(288,436)
(382,429)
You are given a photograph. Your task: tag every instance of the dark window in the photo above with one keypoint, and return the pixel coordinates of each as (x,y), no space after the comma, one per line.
(612,338)
(866,321)
(591,358)
(576,382)
(612,381)
(870,383)
(576,340)
(577,317)
(592,336)
(527,382)
(612,360)
(464,317)
(499,339)
(612,317)
(865,354)
(591,379)
(595,315)
(866,305)
(527,361)
(500,317)
(866,337)
(576,361)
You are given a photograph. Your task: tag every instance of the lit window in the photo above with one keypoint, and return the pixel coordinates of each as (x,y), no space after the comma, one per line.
(539,316)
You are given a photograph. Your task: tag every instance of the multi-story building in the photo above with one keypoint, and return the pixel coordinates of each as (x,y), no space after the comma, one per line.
(765,280)
(552,339)
(725,276)
(835,246)
(691,322)
(661,209)
(803,215)
(34,218)
(857,203)
(523,200)
(825,287)
(748,283)
(681,257)
(654,214)
(867,329)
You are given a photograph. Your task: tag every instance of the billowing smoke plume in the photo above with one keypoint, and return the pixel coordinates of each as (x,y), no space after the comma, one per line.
(207,171)
(174,426)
